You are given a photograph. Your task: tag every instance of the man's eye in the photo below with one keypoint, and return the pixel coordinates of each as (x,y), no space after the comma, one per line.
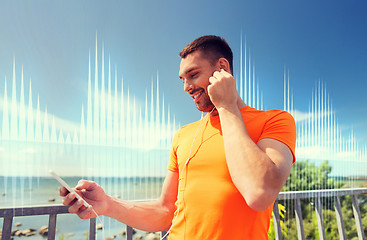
(194,75)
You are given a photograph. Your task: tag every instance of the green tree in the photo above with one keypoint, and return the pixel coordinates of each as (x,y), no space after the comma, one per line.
(305,175)
(283,227)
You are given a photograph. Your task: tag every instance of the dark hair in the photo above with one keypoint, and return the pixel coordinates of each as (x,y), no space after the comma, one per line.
(212,47)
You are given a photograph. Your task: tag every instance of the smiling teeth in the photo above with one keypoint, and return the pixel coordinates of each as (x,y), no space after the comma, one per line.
(196,95)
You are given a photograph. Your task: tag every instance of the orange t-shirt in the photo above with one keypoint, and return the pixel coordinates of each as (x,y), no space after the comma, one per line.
(210,206)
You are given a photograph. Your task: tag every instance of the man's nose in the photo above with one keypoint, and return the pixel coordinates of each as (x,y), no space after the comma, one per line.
(188,86)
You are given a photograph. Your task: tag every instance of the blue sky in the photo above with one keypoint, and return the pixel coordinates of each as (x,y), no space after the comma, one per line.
(315,40)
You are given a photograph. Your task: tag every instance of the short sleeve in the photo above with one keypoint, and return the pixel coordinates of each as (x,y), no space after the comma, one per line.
(173,163)
(282,127)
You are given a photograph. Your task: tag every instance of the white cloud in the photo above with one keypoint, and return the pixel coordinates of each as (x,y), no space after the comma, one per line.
(28,150)
(300,116)
(326,153)
(60,123)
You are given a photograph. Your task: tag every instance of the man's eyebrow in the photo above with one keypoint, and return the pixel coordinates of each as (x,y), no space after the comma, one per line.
(188,71)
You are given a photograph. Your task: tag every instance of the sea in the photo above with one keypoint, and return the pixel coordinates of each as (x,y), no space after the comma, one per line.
(17,192)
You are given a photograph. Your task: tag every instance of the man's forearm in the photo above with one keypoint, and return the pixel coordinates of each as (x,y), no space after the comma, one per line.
(148,216)
(254,174)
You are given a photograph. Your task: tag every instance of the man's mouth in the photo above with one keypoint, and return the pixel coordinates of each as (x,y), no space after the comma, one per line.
(197,96)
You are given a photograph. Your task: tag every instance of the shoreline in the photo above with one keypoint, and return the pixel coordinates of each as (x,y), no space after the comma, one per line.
(20,192)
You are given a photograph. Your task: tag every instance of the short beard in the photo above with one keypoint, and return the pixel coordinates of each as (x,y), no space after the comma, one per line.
(207,107)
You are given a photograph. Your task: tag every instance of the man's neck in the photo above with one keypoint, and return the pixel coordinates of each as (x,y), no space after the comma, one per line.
(240,104)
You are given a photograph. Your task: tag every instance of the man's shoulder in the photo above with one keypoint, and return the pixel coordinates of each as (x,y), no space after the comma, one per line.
(188,128)
(191,126)
(250,112)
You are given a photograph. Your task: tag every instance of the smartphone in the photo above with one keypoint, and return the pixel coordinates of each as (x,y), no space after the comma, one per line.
(68,187)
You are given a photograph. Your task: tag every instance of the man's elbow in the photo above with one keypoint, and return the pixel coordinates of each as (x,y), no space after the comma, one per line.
(261,199)
(168,210)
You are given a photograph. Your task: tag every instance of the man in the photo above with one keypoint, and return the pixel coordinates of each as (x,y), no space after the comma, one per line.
(225,171)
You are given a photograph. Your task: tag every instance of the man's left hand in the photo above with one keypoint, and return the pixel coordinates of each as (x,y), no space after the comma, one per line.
(222,90)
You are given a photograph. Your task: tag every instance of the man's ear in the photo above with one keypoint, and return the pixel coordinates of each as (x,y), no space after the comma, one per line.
(224,64)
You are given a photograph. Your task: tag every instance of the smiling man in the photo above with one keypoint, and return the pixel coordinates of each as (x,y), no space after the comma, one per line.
(225,170)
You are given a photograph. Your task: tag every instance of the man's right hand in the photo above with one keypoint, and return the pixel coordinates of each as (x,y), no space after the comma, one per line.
(92,193)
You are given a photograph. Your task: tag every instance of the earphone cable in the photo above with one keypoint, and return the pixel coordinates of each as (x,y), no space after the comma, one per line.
(99,219)
(182,171)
